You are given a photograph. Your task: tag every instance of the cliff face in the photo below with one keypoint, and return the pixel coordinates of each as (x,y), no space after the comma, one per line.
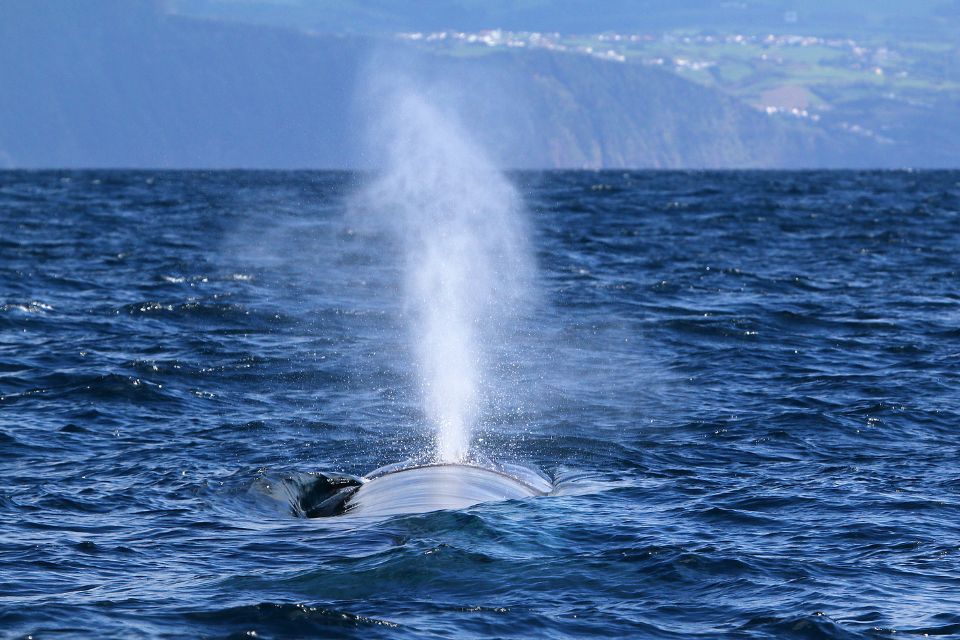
(120,84)
(573,111)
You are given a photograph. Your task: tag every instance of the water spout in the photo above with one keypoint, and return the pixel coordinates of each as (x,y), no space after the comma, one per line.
(467,263)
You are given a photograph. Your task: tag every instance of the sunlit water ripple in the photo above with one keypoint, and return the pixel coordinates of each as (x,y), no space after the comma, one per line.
(751,379)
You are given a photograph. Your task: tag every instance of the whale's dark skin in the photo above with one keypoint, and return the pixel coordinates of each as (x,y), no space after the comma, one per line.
(414,488)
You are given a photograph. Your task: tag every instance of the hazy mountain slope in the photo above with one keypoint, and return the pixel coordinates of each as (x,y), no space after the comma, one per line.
(122,86)
(581,112)
(116,83)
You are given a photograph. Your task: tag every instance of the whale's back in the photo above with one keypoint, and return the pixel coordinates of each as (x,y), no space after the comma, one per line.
(434,487)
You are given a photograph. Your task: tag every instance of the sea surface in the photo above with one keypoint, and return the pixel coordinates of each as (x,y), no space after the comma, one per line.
(746,386)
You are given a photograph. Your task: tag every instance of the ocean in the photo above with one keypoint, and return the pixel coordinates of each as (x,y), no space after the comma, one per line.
(744,385)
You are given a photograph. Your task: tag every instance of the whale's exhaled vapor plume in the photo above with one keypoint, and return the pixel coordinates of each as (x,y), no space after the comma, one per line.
(467,265)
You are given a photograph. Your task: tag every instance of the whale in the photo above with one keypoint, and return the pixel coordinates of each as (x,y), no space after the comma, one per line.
(438,486)
(409,487)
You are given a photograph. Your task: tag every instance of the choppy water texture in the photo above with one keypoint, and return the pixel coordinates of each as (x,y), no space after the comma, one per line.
(750,378)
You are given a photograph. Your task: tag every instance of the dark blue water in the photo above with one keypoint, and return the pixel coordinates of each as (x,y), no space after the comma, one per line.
(749,381)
